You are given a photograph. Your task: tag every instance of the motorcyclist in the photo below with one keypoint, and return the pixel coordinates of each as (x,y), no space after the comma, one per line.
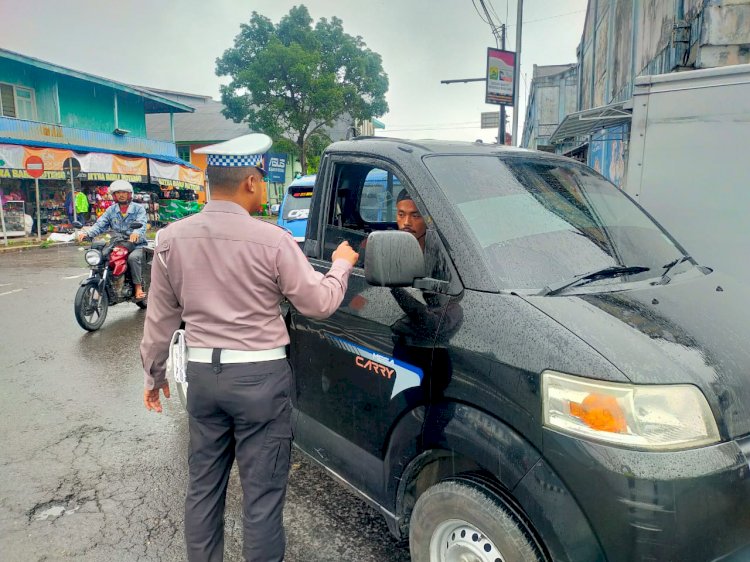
(118,218)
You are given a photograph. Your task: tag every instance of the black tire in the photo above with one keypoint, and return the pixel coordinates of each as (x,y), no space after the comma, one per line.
(90,316)
(465,520)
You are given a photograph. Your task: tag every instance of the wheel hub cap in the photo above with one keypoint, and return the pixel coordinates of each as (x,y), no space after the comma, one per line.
(459,541)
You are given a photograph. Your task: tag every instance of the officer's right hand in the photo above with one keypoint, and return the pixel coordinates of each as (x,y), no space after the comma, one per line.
(345,252)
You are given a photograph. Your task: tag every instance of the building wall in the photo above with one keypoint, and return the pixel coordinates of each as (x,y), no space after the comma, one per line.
(624,39)
(552,95)
(131,114)
(200,160)
(83,104)
(12,72)
(92,106)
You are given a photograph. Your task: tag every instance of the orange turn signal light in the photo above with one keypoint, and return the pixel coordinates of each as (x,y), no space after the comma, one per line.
(601,413)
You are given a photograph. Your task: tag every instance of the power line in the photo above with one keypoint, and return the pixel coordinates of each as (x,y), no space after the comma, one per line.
(480,13)
(549,17)
(448,123)
(389,129)
(493,11)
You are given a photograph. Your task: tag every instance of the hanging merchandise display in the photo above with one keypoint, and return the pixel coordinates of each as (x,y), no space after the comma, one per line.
(102,200)
(175,209)
(179,190)
(150,200)
(15,218)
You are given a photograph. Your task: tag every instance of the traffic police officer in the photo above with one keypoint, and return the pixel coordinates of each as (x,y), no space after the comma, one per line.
(224,273)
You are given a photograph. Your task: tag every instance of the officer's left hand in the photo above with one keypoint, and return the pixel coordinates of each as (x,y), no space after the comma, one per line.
(134,237)
(151,398)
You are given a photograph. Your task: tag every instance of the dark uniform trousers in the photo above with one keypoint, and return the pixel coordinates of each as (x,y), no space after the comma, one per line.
(240,411)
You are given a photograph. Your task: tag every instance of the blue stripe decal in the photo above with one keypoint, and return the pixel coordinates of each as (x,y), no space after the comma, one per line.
(407,375)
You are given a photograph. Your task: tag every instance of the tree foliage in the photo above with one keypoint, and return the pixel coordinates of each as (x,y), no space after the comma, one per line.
(292,79)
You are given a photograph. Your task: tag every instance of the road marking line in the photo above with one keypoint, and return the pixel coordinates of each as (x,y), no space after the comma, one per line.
(10,292)
(5,284)
(75,276)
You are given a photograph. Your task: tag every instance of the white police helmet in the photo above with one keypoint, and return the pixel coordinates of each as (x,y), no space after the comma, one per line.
(120,185)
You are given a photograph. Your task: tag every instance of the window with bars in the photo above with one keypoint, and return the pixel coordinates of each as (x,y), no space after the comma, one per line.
(17,102)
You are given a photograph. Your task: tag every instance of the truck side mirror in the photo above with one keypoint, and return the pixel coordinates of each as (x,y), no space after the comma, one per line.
(393,259)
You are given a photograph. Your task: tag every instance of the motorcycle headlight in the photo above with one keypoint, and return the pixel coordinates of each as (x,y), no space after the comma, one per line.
(658,417)
(93,257)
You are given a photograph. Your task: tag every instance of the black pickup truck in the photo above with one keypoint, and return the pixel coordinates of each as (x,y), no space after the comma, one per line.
(549,376)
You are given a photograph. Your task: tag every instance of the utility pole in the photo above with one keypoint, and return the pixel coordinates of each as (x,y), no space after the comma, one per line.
(501,125)
(519,17)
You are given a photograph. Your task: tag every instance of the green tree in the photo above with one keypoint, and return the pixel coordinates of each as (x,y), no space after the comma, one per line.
(314,147)
(292,79)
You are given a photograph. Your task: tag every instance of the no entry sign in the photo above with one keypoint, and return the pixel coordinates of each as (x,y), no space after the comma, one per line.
(34,166)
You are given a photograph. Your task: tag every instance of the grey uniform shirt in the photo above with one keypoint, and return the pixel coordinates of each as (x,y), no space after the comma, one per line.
(224,274)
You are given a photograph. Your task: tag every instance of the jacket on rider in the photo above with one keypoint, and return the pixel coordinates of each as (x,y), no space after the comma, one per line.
(112,219)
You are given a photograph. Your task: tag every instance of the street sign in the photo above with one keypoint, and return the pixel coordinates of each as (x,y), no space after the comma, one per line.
(490,119)
(34,166)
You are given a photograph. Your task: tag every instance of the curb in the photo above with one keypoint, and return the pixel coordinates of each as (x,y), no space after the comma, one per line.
(38,245)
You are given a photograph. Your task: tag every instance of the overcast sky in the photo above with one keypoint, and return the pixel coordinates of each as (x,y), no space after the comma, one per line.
(173,45)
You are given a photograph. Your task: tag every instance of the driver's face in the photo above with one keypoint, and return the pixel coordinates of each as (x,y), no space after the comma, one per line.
(122,196)
(409,219)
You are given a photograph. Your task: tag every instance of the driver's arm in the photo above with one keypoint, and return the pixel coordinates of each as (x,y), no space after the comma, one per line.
(101,225)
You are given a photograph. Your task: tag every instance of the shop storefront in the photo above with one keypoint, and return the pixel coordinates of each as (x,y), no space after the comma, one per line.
(75,185)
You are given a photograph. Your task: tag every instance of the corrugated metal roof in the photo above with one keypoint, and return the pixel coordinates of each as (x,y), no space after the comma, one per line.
(582,123)
(552,69)
(153,103)
(77,148)
(206,124)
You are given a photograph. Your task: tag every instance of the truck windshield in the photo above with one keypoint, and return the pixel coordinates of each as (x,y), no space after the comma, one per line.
(297,203)
(541,221)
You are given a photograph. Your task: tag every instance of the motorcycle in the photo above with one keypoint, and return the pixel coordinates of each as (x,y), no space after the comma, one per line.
(109,282)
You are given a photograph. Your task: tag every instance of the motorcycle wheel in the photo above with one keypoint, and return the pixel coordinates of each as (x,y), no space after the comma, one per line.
(90,307)
(142,304)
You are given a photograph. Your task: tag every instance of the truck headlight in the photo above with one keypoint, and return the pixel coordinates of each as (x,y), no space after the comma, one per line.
(93,257)
(654,417)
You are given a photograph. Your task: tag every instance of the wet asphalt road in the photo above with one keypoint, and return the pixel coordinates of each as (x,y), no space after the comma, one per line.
(86,473)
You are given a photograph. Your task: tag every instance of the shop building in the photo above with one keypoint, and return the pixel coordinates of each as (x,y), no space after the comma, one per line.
(88,131)
(553,94)
(625,39)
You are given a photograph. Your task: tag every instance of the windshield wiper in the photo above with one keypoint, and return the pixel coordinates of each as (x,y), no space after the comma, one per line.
(578,280)
(665,278)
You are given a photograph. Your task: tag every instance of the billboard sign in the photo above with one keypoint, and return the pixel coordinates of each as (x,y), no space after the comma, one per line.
(501,67)
(276,167)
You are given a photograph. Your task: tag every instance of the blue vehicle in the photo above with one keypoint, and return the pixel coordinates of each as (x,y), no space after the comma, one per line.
(378,198)
(295,206)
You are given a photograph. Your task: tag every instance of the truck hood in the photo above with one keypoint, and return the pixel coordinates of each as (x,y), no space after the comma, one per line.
(694,330)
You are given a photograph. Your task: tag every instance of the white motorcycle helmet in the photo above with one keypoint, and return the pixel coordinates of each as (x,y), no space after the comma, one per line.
(121,185)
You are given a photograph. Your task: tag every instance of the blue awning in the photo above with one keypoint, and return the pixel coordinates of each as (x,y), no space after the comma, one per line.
(77,148)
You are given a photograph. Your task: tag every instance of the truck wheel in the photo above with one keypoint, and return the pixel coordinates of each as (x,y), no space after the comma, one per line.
(90,307)
(457,520)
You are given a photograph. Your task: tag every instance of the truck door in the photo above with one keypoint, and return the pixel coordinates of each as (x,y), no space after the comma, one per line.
(354,373)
